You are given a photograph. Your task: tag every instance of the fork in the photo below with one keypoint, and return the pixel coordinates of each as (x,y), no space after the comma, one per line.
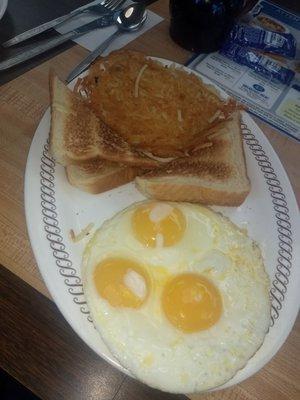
(104,7)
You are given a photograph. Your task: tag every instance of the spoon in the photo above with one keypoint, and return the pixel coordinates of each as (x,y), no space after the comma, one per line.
(130,19)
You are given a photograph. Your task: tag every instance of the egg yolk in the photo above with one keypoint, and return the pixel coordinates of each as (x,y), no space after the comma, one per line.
(122,282)
(158,224)
(191,302)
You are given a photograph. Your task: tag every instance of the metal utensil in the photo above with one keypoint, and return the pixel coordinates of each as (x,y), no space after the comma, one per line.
(129,20)
(105,6)
(102,22)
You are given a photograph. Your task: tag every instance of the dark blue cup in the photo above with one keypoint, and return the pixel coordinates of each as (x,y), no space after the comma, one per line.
(201,25)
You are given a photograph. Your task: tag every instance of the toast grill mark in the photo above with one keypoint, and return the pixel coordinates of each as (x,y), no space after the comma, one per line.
(68,271)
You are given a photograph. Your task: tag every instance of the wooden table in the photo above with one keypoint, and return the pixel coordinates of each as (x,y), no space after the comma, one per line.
(38,347)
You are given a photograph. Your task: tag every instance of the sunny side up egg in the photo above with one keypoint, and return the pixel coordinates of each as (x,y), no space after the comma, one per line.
(178,293)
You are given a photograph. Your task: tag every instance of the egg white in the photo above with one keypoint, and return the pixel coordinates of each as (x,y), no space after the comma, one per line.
(144,341)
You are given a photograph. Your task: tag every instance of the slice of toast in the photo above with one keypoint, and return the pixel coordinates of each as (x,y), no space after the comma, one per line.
(214,173)
(98,176)
(77,135)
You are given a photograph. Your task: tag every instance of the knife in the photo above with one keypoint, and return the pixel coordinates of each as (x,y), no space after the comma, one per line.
(47,25)
(86,62)
(104,21)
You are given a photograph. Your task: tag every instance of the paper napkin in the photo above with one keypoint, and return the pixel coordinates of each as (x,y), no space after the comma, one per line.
(93,39)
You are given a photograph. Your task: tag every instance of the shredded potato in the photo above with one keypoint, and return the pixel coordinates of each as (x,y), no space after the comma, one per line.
(136,85)
(145,102)
(82,234)
(179,115)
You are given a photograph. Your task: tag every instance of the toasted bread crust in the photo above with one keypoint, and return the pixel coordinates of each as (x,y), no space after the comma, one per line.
(77,135)
(214,174)
(168,191)
(99,178)
(190,167)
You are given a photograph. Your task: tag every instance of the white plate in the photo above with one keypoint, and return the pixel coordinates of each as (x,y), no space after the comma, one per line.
(3,6)
(270,214)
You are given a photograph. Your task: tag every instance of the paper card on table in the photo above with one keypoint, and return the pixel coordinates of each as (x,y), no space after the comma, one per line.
(253,78)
